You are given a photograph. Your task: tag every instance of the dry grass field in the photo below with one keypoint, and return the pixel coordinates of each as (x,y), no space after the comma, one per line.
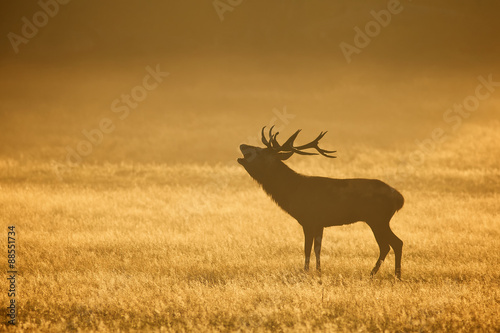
(199,247)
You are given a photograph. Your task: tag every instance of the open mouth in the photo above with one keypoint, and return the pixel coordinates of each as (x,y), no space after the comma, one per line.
(246,154)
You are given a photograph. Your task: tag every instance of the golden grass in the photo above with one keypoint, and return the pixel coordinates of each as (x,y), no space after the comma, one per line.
(200,247)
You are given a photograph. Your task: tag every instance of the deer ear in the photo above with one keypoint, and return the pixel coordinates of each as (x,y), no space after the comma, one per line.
(285,156)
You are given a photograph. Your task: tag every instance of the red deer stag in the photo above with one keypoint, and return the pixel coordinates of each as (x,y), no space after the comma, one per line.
(319,202)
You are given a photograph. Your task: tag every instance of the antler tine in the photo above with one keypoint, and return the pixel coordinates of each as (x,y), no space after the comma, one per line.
(272,139)
(300,152)
(314,144)
(264,140)
(322,152)
(321,149)
(289,143)
(272,143)
(275,143)
(271,135)
(287,146)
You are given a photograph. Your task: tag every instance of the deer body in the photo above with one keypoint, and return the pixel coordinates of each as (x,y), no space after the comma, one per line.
(319,202)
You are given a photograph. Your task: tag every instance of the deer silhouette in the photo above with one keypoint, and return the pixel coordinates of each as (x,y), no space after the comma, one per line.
(319,202)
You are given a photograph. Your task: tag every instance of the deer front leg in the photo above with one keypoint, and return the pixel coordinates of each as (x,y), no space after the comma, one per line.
(318,237)
(308,235)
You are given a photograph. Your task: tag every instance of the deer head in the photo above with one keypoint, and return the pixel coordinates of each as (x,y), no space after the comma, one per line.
(258,158)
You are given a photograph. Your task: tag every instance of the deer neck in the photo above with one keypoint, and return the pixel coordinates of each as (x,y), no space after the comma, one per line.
(279,183)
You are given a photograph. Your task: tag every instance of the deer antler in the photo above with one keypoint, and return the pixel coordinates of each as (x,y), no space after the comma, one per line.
(314,144)
(288,145)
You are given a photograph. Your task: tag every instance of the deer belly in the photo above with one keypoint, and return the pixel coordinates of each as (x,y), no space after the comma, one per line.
(341,212)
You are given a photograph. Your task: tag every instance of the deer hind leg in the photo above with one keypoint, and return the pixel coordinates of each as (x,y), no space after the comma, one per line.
(397,246)
(381,235)
(309,236)
(318,237)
